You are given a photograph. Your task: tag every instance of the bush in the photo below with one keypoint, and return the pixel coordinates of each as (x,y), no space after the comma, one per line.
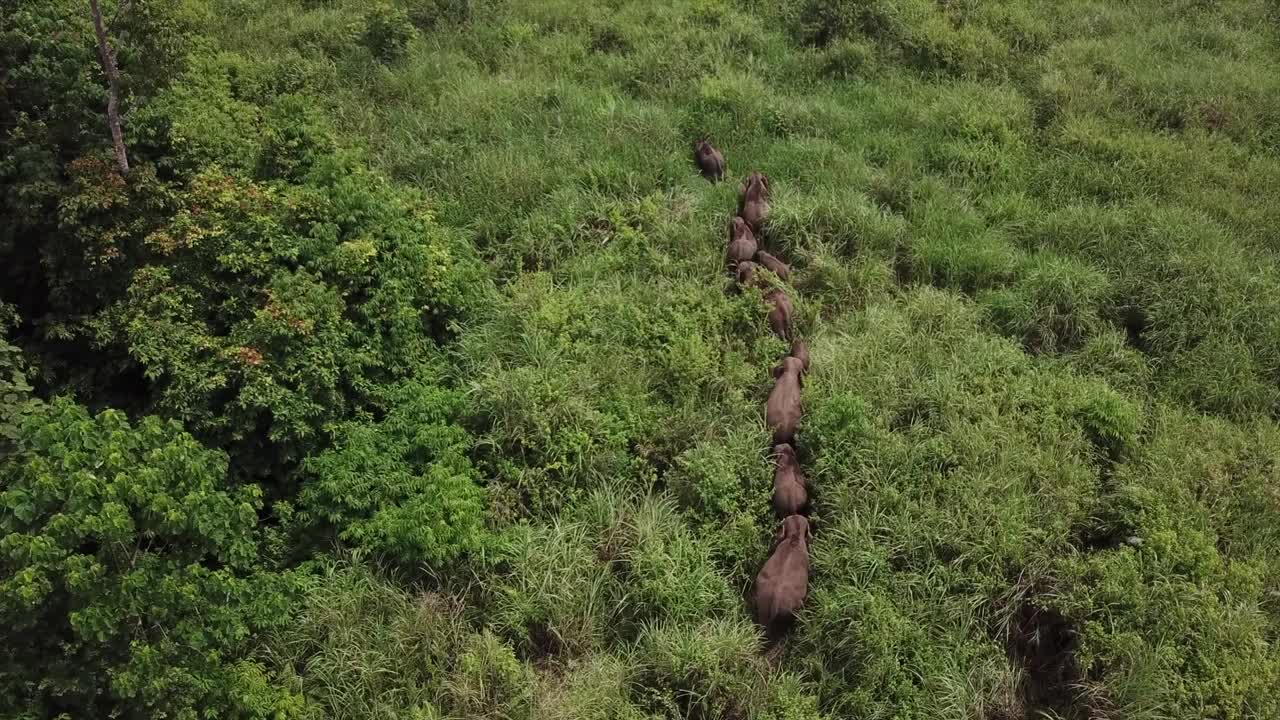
(15,383)
(1054,306)
(601,573)
(917,33)
(430,14)
(129,571)
(270,311)
(919,424)
(489,682)
(387,32)
(1178,615)
(402,488)
(723,488)
(57,181)
(595,689)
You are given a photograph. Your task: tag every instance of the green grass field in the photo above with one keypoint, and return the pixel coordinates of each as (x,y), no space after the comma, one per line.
(1036,253)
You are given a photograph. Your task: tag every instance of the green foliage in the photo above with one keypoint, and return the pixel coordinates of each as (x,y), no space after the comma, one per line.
(708,669)
(923,35)
(586,372)
(275,309)
(1182,617)
(489,682)
(361,647)
(947,464)
(431,14)
(130,580)
(402,488)
(15,382)
(56,181)
(1033,255)
(387,32)
(595,580)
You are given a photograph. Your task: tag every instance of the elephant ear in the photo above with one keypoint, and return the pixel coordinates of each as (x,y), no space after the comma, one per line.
(778,371)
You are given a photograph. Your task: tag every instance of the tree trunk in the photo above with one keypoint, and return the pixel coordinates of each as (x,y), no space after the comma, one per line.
(108,57)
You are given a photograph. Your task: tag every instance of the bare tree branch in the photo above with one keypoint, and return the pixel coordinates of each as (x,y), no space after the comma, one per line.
(108,57)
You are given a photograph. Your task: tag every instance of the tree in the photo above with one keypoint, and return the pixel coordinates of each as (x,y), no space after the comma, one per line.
(108,57)
(128,578)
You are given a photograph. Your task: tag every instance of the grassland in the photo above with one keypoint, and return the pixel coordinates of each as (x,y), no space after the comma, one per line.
(1036,245)
(1036,252)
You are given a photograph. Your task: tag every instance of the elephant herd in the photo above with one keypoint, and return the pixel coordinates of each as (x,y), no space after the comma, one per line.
(783,583)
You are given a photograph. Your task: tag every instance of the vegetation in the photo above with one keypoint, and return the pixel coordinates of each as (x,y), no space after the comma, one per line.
(399,377)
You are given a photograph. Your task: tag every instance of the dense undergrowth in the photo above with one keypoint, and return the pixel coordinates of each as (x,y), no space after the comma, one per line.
(399,378)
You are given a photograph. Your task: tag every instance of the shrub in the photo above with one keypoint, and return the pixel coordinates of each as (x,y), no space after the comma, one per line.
(270,311)
(588,373)
(402,488)
(430,14)
(489,682)
(1053,306)
(387,32)
(667,572)
(595,689)
(849,59)
(599,574)
(15,383)
(919,424)
(723,487)
(914,32)
(57,184)
(129,578)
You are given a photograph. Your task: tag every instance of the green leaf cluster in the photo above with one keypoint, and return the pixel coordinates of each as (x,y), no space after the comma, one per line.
(131,577)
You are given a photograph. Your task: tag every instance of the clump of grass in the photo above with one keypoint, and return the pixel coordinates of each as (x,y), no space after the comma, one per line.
(713,669)
(557,599)
(362,647)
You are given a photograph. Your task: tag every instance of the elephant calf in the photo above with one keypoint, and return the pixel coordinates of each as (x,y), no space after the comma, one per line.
(742,243)
(800,351)
(709,160)
(780,315)
(779,268)
(753,205)
(782,411)
(790,490)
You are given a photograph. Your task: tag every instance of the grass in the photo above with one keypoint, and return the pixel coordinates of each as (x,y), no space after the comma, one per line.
(1035,254)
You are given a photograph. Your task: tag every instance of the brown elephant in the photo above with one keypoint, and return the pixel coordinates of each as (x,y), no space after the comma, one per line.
(782,411)
(783,583)
(779,268)
(709,160)
(742,243)
(800,351)
(790,489)
(780,314)
(753,205)
(746,274)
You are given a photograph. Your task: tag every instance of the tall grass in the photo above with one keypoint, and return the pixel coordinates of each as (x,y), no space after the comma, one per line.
(1036,246)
